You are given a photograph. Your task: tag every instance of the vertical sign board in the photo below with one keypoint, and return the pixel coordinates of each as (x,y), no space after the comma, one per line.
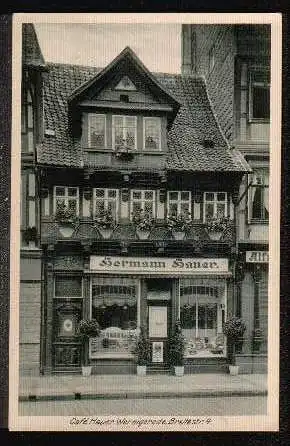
(157,322)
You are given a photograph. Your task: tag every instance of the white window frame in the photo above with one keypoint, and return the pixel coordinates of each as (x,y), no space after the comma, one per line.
(67,297)
(252,84)
(66,197)
(158,119)
(215,202)
(179,201)
(106,199)
(143,200)
(90,116)
(113,128)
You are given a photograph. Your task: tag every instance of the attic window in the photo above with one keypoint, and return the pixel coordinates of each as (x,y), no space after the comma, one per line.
(208,143)
(124,98)
(125,84)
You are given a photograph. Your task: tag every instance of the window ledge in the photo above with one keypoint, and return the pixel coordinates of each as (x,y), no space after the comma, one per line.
(259,222)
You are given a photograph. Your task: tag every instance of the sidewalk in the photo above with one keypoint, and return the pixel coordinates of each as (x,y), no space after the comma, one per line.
(68,387)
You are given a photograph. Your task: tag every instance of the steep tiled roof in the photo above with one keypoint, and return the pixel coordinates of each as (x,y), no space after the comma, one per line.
(194,123)
(31,51)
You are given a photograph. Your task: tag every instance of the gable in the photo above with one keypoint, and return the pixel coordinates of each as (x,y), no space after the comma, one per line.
(136,91)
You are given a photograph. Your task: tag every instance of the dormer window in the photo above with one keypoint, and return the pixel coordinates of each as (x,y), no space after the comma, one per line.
(152,134)
(96,130)
(124,132)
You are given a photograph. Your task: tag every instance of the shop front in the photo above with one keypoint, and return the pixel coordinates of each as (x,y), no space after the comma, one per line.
(127,292)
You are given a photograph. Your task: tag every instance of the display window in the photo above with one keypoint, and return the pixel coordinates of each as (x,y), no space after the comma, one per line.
(202,314)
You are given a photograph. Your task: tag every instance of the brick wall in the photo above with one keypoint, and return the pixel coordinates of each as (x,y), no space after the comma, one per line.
(220,79)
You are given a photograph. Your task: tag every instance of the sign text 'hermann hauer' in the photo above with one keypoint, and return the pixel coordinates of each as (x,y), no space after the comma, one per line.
(158,265)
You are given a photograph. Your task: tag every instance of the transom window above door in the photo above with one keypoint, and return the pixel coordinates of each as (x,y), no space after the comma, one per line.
(152,133)
(214,205)
(66,196)
(178,202)
(124,132)
(106,200)
(96,130)
(143,200)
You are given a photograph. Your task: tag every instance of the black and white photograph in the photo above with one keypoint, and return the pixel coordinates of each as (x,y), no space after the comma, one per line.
(146,157)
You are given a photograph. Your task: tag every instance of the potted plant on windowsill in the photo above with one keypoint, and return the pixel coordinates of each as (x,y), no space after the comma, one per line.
(142,352)
(143,222)
(123,148)
(87,328)
(179,224)
(234,329)
(215,226)
(30,236)
(66,218)
(105,222)
(176,350)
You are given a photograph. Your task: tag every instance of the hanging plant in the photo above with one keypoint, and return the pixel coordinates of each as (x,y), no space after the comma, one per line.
(179,223)
(217,224)
(124,148)
(104,219)
(64,214)
(142,220)
(30,234)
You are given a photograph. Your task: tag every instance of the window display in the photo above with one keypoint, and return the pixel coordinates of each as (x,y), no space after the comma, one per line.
(114,306)
(202,311)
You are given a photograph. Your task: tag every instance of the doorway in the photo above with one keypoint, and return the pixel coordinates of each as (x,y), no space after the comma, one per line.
(159,314)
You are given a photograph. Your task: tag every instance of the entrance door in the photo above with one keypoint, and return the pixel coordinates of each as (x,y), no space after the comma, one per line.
(159,319)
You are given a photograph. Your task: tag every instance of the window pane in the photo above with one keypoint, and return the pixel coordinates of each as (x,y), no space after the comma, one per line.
(261,102)
(152,133)
(60,203)
(172,208)
(148,195)
(130,121)
(100,205)
(60,191)
(97,131)
(72,205)
(136,206)
(72,192)
(257,209)
(209,196)
(209,210)
(148,207)
(130,138)
(184,208)
(173,196)
(184,196)
(137,195)
(112,194)
(68,287)
(112,207)
(221,210)
(221,196)
(100,193)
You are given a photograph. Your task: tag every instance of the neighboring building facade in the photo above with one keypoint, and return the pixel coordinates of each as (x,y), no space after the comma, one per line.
(33,68)
(122,146)
(235,62)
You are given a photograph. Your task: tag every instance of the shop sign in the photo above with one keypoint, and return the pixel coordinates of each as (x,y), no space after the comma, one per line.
(157,322)
(158,265)
(257,256)
(157,351)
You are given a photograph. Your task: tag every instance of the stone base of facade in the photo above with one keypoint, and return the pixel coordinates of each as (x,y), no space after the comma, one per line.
(29,359)
(252,363)
(206,365)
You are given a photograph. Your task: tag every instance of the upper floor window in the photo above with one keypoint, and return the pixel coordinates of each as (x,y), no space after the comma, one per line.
(106,200)
(124,132)
(143,200)
(259,96)
(152,134)
(179,202)
(66,196)
(96,130)
(27,119)
(214,205)
(259,196)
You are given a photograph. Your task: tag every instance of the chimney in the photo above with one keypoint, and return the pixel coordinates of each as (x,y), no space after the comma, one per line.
(187,49)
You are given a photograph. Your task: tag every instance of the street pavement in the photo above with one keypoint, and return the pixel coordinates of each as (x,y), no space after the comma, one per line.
(209,406)
(68,387)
